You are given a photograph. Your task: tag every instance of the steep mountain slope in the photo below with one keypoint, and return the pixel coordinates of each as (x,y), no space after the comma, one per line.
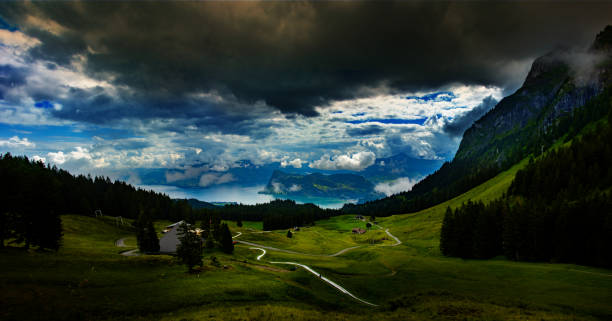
(563,92)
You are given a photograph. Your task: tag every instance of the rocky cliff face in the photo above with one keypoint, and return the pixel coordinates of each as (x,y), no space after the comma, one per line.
(556,85)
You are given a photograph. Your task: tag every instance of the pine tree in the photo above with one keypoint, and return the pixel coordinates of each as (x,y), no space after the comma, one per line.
(445,233)
(152,242)
(146,237)
(189,251)
(210,242)
(227,244)
(205,227)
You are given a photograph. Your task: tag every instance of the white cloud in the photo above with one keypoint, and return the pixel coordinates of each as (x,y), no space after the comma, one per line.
(58,158)
(399,185)
(295,188)
(355,162)
(16,142)
(216,179)
(296,163)
(79,159)
(278,188)
(37,158)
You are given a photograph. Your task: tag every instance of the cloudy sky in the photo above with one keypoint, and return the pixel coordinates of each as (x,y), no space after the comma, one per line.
(111,87)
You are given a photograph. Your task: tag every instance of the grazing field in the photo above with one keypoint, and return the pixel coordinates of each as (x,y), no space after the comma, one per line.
(88,279)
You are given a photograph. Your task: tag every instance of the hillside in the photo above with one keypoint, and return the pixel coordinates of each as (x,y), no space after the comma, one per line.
(197,204)
(558,98)
(410,281)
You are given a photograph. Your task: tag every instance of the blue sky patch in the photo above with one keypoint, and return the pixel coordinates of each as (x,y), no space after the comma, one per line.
(395,121)
(49,133)
(6,26)
(358,114)
(436,97)
(43,104)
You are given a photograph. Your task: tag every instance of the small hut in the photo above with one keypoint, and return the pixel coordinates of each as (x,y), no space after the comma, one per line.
(357,230)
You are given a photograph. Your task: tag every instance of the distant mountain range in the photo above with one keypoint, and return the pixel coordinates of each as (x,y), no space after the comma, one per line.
(196,204)
(340,186)
(245,173)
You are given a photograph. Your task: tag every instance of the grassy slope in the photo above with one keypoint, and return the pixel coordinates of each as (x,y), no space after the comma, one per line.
(431,286)
(421,230)
(87,279)
(325,237)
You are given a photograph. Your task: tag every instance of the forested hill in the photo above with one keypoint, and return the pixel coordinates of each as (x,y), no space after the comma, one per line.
(558,208)
(558,98)
(27,182)
(34,195)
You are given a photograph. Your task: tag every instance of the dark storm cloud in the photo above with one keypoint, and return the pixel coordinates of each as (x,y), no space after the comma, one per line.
(298,55)
(96,105)
(11,77)
(459,125)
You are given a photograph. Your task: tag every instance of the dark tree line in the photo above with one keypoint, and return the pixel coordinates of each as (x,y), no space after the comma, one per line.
(82,195)
(34,195)
(473,230)
(277,214)
(29,204)
(558,209)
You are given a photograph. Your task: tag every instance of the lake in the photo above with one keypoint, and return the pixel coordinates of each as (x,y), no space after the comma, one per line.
(239,194)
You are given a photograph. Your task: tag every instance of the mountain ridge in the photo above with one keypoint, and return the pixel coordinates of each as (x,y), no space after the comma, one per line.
(563,92)
(340,186)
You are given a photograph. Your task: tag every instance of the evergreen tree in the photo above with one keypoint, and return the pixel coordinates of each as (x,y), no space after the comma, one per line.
(152,242)
(289,234)
(227,243)
(146,236)
(210,242)
(189,251)
(446,233)
(205,227)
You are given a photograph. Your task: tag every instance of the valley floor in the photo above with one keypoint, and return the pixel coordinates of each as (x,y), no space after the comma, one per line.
(88,279)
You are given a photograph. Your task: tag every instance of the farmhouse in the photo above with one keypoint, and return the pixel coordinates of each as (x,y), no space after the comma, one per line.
(169,242)
(357,230)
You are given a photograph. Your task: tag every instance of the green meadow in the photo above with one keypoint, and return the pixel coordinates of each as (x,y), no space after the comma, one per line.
(88,279)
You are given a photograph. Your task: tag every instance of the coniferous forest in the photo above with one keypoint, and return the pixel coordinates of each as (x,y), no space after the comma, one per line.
(558,209)
(277,214)
(38,194)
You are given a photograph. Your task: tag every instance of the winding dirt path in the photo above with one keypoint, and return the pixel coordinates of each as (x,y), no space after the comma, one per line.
(319,275)
(121,243)
(263,248)
(294,252)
